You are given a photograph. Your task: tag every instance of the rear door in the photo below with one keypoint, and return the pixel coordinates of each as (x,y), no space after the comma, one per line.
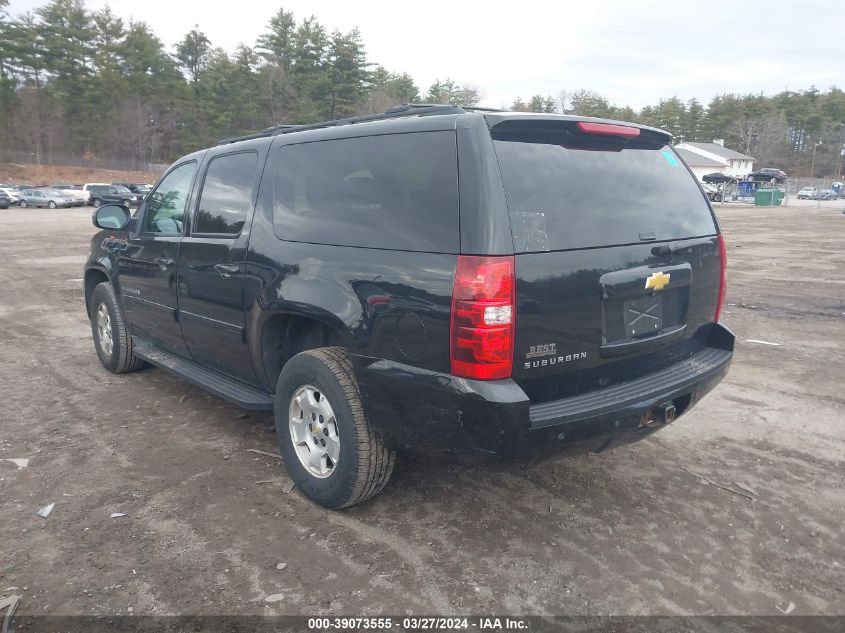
(211,264)
(617,257)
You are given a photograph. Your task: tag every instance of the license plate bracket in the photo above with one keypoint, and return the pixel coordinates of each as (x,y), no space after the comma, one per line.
(643,316)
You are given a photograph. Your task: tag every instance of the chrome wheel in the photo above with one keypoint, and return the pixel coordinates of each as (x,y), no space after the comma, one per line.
(104,329)
(313,431)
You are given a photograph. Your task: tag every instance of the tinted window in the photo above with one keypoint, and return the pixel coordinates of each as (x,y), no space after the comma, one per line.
(165,208)
(226,194)
(566,192)
(397,191)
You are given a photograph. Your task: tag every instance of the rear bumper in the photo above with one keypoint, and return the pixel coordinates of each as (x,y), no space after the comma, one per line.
(434,413)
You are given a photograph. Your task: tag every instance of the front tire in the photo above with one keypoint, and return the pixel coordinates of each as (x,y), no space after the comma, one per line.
(51,204)
(329,448)
(111,337)
(23,204)
(97,203)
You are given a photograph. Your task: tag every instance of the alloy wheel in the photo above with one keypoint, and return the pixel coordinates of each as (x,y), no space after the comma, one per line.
(104,333)
(314,431)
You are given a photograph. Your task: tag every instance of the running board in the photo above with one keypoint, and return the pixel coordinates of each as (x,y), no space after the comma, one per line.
(230,389)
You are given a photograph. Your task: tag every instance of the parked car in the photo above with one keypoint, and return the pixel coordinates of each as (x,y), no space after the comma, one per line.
(430,279)
(778,174)
(101,194)
(5,201)
(807,193)
(23,187)
(46,198)
(827,194)
(74,191)
(139,191)
(13,194)
(135,199)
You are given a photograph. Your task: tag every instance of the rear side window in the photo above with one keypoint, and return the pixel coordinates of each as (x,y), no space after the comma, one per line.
(568,191)
(226,194)
(395,191)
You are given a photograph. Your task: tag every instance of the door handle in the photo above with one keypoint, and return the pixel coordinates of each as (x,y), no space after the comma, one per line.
(227,270)
(163,262)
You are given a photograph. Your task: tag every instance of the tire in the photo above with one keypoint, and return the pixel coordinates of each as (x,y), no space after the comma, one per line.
(23,204)
(51,204)
(364,463)
(115,352)
(97,203)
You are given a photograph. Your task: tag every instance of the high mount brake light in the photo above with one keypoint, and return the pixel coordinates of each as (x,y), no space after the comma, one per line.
(608,129)
(723,278)
(483,315)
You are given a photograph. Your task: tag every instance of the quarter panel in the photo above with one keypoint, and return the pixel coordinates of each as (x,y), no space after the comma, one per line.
(361,293)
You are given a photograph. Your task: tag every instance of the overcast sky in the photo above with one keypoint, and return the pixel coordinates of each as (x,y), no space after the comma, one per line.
(634,52)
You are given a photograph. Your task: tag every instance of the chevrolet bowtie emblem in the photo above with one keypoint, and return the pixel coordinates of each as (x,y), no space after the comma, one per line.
(657,281)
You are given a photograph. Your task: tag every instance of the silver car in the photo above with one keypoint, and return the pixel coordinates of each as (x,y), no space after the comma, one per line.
(46,198)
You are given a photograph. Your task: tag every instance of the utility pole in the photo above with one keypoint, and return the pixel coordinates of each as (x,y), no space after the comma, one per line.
(813,164)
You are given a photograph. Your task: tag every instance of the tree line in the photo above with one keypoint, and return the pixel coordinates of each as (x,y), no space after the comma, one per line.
(85,83)
(88,84)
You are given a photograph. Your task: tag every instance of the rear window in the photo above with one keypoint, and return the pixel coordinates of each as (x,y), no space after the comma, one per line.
(395,191)
(566,190)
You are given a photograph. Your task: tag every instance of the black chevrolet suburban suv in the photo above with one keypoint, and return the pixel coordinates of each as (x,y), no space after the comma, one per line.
(431,279)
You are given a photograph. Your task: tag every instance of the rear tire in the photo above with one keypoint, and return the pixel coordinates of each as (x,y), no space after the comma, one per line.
(323,381)
(111,337)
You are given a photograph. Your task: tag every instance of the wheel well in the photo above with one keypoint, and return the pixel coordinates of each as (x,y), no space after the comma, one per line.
(285,336)
(93,277)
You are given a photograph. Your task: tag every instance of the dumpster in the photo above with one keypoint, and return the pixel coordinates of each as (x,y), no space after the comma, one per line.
(768,198)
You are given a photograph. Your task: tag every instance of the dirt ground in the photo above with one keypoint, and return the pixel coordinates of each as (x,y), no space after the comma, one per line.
(625,532)
(14,173)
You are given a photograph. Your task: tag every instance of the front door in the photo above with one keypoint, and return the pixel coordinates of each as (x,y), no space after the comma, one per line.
(147,265)
(211,266)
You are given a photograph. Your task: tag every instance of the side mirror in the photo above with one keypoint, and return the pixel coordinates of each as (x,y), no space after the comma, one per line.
(111,216)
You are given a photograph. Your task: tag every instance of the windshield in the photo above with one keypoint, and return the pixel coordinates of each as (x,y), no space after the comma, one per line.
(565,191)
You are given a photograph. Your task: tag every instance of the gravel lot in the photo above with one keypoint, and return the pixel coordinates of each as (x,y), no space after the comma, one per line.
(625,532)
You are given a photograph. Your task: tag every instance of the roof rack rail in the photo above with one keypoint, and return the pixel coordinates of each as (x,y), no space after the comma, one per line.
(482,109)
(405,109)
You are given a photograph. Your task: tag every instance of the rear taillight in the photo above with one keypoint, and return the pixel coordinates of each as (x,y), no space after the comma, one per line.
(483,315)
(723,264)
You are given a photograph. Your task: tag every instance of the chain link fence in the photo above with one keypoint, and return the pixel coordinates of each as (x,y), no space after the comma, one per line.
(811,190)
(76,160)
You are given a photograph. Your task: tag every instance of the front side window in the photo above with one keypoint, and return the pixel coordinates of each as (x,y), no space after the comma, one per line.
(165,214)
(226,194)
(397,191)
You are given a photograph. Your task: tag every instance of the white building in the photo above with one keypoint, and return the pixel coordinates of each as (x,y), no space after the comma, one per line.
(733,163)
(700,165)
